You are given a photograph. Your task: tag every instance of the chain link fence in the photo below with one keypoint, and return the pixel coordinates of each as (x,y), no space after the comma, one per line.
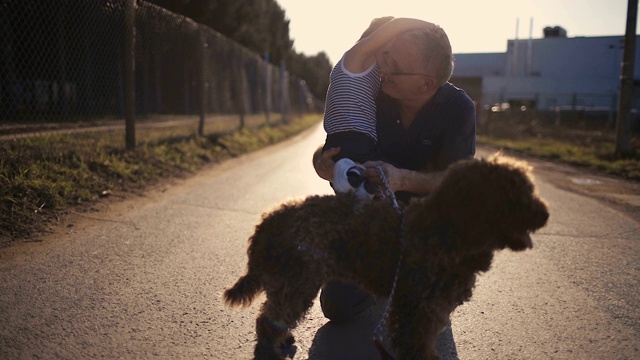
(568,110)
(577,118)
(64,61)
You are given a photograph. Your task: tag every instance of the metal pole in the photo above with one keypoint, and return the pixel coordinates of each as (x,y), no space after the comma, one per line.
(267,88)
(202,81)
(63,101)
(239,80)
(284,96)
(626,82)
(129,74)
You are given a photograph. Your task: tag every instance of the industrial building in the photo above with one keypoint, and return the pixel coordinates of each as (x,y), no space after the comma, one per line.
(553,73)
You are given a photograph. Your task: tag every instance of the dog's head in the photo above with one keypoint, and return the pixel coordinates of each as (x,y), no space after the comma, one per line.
(492,204)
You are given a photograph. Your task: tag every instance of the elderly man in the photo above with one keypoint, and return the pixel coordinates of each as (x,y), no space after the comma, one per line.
(424,124)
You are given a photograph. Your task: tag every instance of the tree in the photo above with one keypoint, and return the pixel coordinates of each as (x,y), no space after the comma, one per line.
(259,25)
(314,70)
(262,27)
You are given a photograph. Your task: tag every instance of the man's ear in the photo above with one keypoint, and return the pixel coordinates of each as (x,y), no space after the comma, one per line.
(429,83)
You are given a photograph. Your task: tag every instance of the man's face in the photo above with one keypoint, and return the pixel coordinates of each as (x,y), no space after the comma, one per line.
(400,71)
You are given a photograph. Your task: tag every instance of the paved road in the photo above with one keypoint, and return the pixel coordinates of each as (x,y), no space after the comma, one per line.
(144,279)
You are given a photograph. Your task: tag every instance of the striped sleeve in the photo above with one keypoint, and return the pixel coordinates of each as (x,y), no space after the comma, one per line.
(350,102)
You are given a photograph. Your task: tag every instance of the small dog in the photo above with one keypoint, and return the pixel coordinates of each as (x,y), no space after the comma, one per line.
(445,239)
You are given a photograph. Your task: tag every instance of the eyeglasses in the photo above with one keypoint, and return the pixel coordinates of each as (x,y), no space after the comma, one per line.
(395,71)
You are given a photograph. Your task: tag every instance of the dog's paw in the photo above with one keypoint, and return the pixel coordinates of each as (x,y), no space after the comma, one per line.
(287,349)
(289,340)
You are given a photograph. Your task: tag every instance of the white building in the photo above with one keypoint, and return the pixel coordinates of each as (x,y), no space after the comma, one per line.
(551,73)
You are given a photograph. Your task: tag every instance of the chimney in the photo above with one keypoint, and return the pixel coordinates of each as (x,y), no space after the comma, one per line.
(554,32)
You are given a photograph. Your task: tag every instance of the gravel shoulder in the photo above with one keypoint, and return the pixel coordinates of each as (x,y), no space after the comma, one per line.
(617,193)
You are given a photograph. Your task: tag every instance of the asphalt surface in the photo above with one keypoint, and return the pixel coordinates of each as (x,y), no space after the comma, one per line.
(143,278)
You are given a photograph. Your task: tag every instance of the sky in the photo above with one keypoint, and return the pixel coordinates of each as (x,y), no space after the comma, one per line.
(473,26)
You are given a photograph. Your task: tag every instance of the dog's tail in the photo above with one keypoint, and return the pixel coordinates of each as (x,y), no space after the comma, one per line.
(243,292)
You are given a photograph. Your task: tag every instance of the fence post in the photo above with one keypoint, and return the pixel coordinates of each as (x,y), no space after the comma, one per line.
(7,55)
(241,89)
(129,74)
(488,121)
(267,92)
(63,100)
(284,83)
(202,81)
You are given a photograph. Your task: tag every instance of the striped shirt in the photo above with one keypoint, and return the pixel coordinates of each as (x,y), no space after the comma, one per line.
(351,102)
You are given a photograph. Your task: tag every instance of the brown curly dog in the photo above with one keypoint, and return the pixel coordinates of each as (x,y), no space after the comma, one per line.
(446,239)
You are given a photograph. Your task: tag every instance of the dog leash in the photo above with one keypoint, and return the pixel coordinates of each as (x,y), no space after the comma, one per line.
(388,193)
(377,332)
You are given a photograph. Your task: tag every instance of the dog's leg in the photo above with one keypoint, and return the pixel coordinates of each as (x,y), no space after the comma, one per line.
(414,324)
(280,314)
(269,333)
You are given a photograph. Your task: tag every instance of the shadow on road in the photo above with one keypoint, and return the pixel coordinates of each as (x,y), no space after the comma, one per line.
(353,341)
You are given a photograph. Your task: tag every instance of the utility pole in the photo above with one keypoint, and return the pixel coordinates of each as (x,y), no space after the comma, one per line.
(626,82)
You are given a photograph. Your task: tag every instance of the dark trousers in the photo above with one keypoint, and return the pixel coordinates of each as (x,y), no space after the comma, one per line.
(341,301)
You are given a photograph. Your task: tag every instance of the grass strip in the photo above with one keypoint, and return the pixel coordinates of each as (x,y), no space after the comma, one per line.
(598,156)
(43,176)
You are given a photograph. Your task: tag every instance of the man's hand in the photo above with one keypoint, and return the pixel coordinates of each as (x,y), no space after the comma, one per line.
(403,179)
(393,174)
(323,162)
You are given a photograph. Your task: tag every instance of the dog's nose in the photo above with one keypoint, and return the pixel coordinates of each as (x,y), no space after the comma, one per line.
(545,217)
(541,215)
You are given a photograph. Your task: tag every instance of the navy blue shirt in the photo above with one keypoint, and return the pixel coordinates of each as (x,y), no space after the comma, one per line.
(443,132)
